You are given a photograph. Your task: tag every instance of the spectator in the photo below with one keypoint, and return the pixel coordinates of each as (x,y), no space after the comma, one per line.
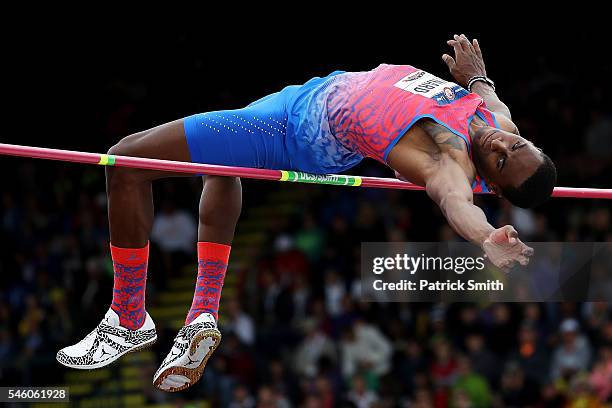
(595,315)
(483,360)
(240,361)
(461,399)
(516,390)
(581,394)
(310,238)
(531,353)
(301,292)
(601,377)
(334,293)
(422,399)
(573,354)
(282,379)
(219,381)
(410,361)
(472,385)
(269,398)
(60,320)
(325,392)
(312,401)
(315,346)
(238,322)
(242,398)
(443,370)
(605,333)
(360,395)
(363,345)
(502,329)
(174,230)
(551,396)
(288,261)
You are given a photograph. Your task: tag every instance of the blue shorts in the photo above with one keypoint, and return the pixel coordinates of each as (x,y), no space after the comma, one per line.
(250,137)
(280,131)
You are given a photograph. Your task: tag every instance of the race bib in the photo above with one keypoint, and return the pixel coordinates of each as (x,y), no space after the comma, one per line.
(430,86)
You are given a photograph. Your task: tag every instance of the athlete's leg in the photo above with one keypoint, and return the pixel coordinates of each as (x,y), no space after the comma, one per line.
(126,326)
(220,207)
(130,214)
(250,137)
(130,196)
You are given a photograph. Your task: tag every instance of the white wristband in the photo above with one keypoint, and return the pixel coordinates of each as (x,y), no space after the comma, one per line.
(479,78)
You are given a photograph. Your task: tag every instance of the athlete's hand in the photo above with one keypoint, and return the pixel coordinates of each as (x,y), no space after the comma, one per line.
(504,249)
(468,60)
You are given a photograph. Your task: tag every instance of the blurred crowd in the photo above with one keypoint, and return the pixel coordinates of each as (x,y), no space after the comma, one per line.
(296,333)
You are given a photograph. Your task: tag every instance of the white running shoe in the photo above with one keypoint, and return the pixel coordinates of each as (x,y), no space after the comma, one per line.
(106,343)
(193,346)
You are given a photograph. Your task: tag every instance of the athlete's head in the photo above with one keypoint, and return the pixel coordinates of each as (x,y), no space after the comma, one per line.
(513,167)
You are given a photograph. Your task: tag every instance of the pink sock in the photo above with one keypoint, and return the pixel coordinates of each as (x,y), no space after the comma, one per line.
(212,264)
(130,267)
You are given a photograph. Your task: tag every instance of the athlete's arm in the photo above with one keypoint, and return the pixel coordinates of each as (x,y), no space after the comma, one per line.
(450,189)
(468,63)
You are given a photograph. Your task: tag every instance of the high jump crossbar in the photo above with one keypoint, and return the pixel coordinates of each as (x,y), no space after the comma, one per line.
(260,174)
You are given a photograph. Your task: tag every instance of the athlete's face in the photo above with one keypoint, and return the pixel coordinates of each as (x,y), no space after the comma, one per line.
(503,158)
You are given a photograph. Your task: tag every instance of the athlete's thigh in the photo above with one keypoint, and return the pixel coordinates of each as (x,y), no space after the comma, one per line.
(165,142)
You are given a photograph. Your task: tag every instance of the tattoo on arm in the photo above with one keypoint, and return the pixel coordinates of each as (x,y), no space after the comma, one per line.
(452,140)
(441,135)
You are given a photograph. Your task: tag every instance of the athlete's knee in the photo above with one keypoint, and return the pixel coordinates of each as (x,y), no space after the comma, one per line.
(128,146)
(117,176)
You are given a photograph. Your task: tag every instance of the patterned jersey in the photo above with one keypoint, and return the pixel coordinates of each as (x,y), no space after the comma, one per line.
(368,112)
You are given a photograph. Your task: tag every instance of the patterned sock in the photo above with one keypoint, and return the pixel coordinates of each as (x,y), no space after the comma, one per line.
(212,264)
(130,267)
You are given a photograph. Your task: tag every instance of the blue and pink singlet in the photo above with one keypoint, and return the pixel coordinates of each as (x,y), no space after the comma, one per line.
(329,124)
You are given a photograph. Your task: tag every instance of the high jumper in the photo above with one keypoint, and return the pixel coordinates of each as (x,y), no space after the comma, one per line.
(451,138)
